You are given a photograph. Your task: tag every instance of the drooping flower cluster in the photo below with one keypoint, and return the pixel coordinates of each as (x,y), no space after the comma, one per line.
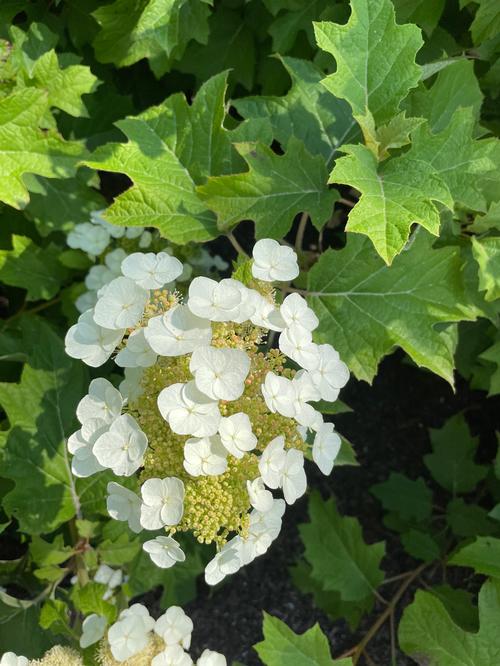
(211,419)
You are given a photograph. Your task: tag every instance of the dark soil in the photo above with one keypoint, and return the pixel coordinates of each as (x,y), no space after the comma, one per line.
(389,431)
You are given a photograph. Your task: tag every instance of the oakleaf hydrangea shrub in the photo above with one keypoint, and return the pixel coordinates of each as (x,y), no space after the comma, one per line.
(214,420)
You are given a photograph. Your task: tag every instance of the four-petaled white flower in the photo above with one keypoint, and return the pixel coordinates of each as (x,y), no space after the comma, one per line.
(177,332)
(103,402)
(205,457)
(326,446)
(162,502)
(121,305)
(91,343)
(236,434)
(137,352)
(305,391)
(164,551)
(112,578)
(188,410)
(295,310)
(122,447)
(220,373)
(93,628)
(260,498)
(293,479)
(211,658)
(89,238)
(130,387)
(225,563)
(123,504)
(150,270)
(279,394)
(130,634)
(218,301)
(12,659)
(173,655)
(296,342)
(330,373)
(272,261)
(175,627)
(263,529)
(272,462)
(81,444)
(265,314)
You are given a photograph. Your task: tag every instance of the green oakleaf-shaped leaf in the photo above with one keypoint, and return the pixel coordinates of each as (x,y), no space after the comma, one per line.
(36,269)
(409,499)
(338,554)
(394,195)
(298,18)
(373,78)
(452,461)
(486,23)
(171,147)
(41,414)
(366,308)
(155,29)
(422,12)
(308,112)
(273,191)
(486,252)
(25,148)
(483,555)
(282,647)
(429,635)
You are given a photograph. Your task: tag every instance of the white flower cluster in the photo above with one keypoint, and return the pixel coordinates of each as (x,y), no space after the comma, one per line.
(12,659)
(95,236)
(150,326)
(134,630)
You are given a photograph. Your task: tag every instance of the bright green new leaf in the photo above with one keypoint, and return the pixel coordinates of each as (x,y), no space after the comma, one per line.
(338,554)
(366,308)
(273,191)
(487,254)
(155,29)
(309,113)
(89,599)
(373,78)
(429,635)
(171,147)
(282,647)
(54,615)
(41,412)
(483,555)
(36,269)
(452,461)
(408,498)
(25,148)
(394,195)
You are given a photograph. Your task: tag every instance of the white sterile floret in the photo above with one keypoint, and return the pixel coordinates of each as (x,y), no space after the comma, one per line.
(272,261)
(216,301)
(137,352)
(123,504)
(205,457)
(90,342)
(145,240)
(236,434)
(164,551)
(225,563)
(293,481)
(130,387)
(189,411)
(260,498)
(211,658)
(89,238)
(112,578)
(272,461)
(172,655)
(263,529)
(279,394)
(103,402)
(175,627)
(295,310)
(113,260)
(265,314)
(134,232)
(177,332)
(86,301)
(122,447)
(220,373)
(96,217)
(98,277)
(93,628)
(330,373)
(326,447)
(130,634)
(121,305)
(296,342)
(305,391)
(81,445)
(12,659)
(150,270)
(162,502)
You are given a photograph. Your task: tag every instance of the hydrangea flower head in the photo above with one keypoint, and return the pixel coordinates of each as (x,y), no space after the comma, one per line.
(208,422)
